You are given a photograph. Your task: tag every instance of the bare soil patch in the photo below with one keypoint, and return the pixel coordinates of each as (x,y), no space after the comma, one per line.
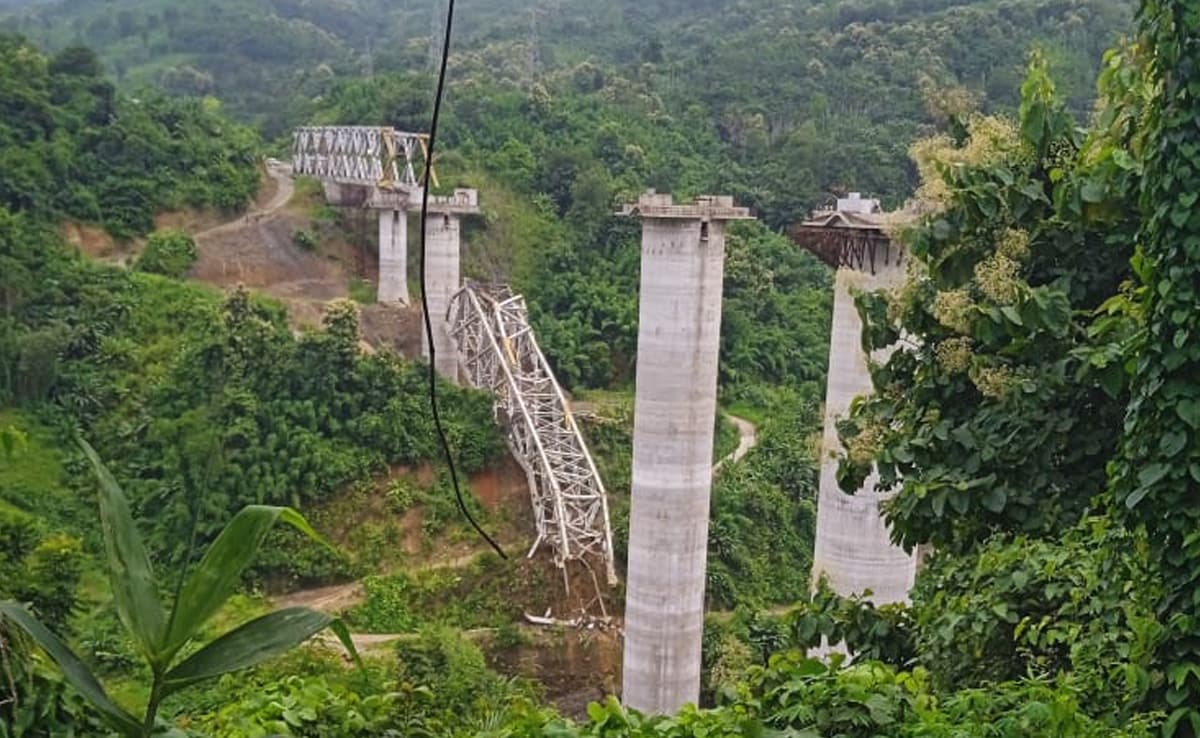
(192,221)
(395,328)
(259,253)
(95,243)
(575,666)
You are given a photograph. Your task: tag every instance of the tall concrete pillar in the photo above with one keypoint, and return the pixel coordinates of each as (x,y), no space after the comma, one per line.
(683,261)
(393,256)
(853,549)
(442,280)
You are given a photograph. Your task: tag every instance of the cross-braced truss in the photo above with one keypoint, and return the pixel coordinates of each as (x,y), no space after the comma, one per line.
(855,248)
(359,155)
(499,353)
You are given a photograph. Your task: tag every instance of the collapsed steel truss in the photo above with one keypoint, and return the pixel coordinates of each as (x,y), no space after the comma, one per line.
(856,248)
(498,352)
(358,155)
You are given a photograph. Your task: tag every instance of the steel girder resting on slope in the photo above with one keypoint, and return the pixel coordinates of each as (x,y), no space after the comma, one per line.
(499,353)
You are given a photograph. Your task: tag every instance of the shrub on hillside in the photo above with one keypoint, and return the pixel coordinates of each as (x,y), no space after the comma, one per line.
(38,569)
(169,253)
(305,239)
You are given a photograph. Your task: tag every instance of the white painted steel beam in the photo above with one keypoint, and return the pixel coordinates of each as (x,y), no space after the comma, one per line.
(499,353)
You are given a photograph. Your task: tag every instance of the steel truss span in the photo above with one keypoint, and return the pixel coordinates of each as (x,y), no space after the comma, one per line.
(498,352)
(855,248)
(358,155)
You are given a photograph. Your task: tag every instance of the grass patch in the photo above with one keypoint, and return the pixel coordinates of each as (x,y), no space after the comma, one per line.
(754,413)
(363,291)
(307,195)
(725,437)
(487,593)
(32,479)
(35,464)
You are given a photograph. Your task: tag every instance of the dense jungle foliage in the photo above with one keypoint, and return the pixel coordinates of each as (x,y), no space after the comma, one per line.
(204,403)
(798,97)
(1036,419)
(71,147)
(1045,325)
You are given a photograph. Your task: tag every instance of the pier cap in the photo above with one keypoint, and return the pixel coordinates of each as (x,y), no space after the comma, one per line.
(462,202)
(706,207)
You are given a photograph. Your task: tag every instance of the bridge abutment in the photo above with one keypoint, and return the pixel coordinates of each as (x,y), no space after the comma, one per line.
(683,256)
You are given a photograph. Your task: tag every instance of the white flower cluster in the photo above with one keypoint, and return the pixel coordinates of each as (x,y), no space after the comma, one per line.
(954,355)
(993,382)
(991,140)
(955,310)
(996,277)
(861,449)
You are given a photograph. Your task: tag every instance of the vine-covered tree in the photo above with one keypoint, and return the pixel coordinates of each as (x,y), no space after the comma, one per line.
(1157,476)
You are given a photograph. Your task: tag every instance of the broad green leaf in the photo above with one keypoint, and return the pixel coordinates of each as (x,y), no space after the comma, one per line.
(994,499)
(1173,442)
(338,626)
(73,670)
(1093,190)
(1171,726)
(1033,190)
(1152,474)
(250,644)
(134,587)
(1189,412)
(810,667)
(939,502)
(1136,496)
(218,573)
(595,712)
(1178,672)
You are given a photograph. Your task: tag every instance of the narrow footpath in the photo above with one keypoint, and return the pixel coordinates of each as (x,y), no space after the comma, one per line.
(747,440)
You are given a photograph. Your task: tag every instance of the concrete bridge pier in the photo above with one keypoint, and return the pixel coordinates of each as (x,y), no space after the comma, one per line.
(443,255)
(853,543)
(392,206)
(683,258)
(393,256)
(442,280)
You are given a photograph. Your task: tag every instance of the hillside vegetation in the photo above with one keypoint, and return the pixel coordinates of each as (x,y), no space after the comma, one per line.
(799,97)
(1036,415)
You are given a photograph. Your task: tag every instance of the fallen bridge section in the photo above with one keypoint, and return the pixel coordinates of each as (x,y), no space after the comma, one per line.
(498,352)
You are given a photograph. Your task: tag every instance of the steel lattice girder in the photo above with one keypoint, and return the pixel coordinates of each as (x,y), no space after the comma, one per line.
(498,351)
(361,155)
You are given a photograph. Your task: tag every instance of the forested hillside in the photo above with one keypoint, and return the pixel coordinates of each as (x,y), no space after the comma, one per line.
(801,97)
(202,403)
(1037,415)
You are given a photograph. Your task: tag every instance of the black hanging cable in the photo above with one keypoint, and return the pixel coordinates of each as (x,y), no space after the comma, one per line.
(433,398)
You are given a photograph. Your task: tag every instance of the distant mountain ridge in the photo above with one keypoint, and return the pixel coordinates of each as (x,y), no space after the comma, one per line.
(807,98)
(244,50)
